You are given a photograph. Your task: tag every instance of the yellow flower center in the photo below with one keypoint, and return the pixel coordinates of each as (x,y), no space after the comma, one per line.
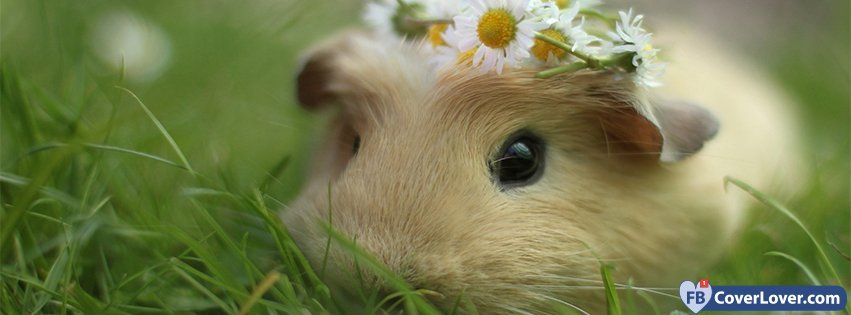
(542,49)
(435,34)
(496,28)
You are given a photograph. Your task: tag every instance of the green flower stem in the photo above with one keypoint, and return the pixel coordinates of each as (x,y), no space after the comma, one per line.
(552,41)
(427,22)
(579,65)
(622,60)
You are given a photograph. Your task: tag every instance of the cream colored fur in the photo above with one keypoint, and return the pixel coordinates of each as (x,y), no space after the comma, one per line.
(419,196)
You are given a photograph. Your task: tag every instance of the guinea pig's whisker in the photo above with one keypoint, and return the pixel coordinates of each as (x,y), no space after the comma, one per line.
(619,286)
(730,158)
(546,297)
(566,287)
(513,309)
(503,159)
(279,124)
(567,278)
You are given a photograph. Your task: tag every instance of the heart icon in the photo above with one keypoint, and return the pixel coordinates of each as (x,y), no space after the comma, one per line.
(693,297)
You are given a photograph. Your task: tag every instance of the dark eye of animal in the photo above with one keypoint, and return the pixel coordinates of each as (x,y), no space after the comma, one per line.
(520,161)
(356,145)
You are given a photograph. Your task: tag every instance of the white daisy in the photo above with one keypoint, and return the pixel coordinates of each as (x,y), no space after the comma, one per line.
(447,55)
(445,9)
(543,10)
(631,37)
(580,40)
(547,53)
(442,10)
(450,55)
(379,15)
(629,31)
(648,71)
(564,28)
(387,17)
(499,32)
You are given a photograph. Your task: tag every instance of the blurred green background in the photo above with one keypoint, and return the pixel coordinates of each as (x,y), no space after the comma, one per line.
(218,74)
(90,223)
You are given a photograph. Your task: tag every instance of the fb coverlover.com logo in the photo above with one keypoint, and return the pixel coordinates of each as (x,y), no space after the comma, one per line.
(702,296)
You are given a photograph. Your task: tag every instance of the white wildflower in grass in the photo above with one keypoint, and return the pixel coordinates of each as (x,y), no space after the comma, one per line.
(630,37)
(499,32)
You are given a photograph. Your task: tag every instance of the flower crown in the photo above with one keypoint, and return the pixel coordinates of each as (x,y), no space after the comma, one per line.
(494,34)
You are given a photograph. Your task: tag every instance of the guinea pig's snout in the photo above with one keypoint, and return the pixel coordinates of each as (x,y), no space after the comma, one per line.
(392,251)
(391,236)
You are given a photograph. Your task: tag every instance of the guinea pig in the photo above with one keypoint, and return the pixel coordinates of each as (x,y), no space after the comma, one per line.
(512,190)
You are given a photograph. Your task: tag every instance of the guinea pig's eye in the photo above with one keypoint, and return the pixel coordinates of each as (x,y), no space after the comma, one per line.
(519,162)
(356,145)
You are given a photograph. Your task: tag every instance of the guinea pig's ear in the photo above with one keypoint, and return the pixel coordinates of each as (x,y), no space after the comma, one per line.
(631,134)
(685,127)
(319,80)
(314,78)
(668,132)
(312,81)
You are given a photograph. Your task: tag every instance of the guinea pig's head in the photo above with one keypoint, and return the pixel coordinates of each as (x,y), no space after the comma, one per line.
(506,188)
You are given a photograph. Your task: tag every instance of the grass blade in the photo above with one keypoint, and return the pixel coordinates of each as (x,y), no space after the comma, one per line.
(647,298)
(50,146)
(15,213)
(207,256)
(290,253)
(187,269)
(273,174)
(771,203)
(133,152)
(612,302)
(179,269)
(800,265)
(162,130)
(47,191)
(414,301)
(258,292)
(56,273)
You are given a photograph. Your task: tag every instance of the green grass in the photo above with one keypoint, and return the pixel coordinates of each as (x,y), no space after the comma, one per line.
(127,195)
